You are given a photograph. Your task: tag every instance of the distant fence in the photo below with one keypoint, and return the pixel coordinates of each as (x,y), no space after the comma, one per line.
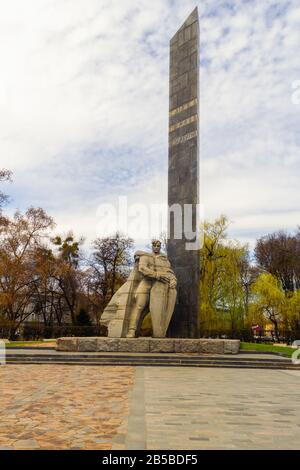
(243,334)
(33,331)
(248,335)
(28,331)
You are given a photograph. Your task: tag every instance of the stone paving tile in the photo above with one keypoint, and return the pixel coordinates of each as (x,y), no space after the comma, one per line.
(63,407)
(77,407)
(190,408)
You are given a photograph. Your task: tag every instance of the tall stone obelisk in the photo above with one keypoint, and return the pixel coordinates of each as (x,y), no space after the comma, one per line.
(183,187)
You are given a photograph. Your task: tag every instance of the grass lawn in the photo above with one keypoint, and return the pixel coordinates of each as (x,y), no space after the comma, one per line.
(284,350)
(12,344)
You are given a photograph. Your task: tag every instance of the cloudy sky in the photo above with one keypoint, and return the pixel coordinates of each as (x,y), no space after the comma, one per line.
(84,107)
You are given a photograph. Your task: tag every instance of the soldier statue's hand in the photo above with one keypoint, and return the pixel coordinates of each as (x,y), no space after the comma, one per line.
(163,279)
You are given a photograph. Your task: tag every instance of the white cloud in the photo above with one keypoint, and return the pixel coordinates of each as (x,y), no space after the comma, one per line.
(84,104)
(249,138)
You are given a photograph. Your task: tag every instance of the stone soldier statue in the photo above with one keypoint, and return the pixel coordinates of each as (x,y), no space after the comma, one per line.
(151,287)
(157,285)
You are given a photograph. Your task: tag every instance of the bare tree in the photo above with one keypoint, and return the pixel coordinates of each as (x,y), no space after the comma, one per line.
(67,273)
(279,254)
(5,175)
(110,261)
(19,237)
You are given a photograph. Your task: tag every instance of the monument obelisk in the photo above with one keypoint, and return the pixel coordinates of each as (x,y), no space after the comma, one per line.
(183,184)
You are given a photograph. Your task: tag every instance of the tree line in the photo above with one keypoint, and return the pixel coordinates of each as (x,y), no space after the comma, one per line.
(52,280)
(239,290)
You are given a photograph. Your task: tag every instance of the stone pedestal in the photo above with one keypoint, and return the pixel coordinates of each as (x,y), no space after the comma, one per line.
(149,345)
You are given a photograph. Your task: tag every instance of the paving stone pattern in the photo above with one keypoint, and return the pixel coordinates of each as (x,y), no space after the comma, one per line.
(62,407)
(221,409)
(154,408)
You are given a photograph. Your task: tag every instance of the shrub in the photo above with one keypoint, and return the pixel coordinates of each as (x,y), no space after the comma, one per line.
(83,318)
(7,329)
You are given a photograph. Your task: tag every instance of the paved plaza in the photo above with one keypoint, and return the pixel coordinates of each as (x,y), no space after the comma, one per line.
(88,407)
(220,408)
(62,407)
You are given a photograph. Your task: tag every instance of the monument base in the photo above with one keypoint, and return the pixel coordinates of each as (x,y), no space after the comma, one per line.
(149,345)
